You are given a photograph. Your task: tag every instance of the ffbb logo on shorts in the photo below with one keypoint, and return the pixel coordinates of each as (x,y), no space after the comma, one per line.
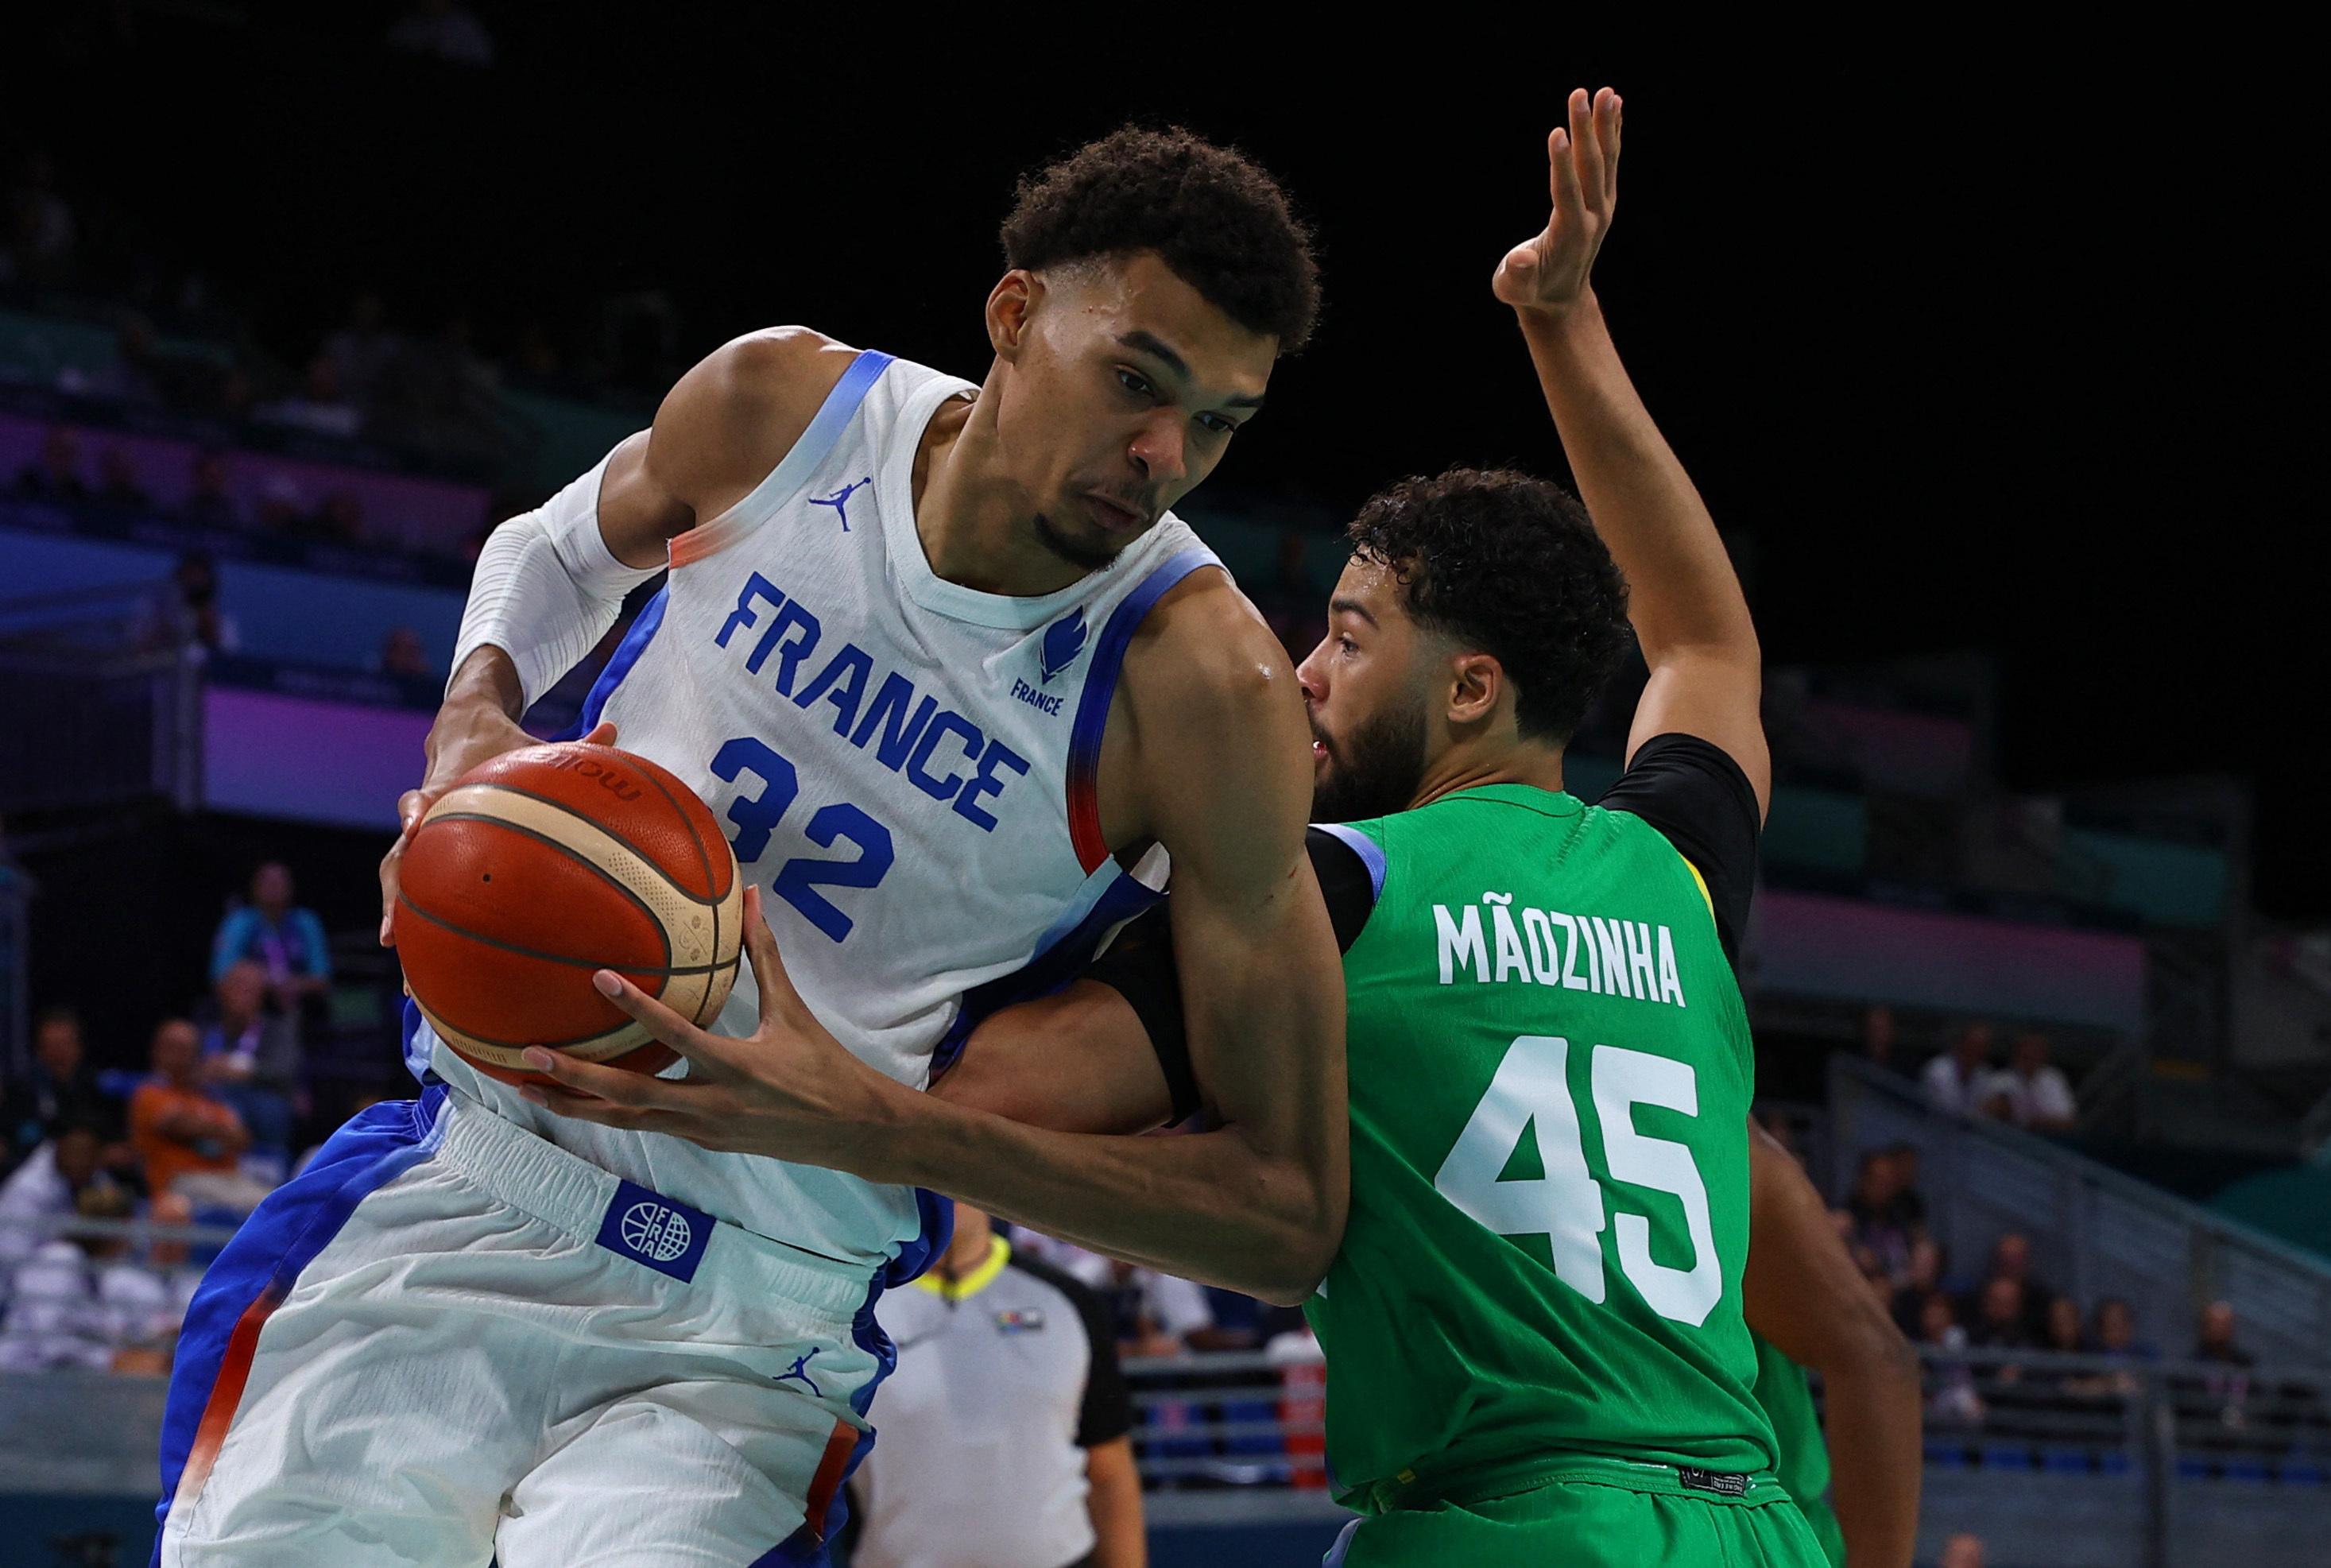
(649,1228)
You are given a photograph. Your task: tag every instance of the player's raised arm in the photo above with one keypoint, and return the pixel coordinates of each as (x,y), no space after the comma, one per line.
(1802,1291)
(1686,603)
(550,582)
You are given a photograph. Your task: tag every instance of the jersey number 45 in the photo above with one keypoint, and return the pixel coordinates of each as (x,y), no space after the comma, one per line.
(1567,1205)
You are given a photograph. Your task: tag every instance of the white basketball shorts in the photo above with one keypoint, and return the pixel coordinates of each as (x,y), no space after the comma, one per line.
(449,1342)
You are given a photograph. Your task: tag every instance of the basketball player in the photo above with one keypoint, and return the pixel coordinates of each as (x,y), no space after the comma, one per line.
(1536,1338)
(942,657)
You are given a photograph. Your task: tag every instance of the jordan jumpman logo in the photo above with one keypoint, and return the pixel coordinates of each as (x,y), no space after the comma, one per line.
(799,1363)
(840,500)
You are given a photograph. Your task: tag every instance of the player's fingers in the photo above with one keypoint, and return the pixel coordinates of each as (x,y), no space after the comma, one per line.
(602,734)
(1607,127)
(661,1021)
(391,866)
(608,1085)
(781,1004)
(1569,203)
(585,1108)
(1588,146)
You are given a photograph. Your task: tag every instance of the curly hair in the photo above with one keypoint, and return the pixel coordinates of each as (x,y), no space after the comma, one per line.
(1215,217)
(1509,564)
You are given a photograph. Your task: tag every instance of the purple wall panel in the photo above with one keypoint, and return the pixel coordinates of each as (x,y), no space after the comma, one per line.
(1816,945)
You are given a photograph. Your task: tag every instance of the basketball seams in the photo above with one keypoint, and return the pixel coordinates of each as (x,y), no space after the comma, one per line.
(634,850)
(568,852)
(703,858)
(666,971)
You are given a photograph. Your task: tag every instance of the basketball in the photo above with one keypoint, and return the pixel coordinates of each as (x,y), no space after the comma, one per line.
(544,865)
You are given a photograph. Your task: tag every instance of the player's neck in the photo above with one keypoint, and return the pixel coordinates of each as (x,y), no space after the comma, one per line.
(977,528)
(1471,763)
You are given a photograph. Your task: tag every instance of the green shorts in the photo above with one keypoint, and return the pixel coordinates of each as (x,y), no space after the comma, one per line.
(1584,1524)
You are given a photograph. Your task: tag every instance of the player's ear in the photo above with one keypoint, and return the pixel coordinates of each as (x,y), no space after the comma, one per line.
(1008,307)
(1476,681)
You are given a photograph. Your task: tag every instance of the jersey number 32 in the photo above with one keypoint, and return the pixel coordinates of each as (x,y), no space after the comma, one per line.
(1566,1205)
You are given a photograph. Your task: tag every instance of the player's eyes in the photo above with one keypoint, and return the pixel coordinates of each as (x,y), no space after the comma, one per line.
(1218,425)
(1346,644)
(1134,384)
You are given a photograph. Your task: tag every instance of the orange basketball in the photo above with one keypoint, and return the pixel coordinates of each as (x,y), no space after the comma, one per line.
(544,865)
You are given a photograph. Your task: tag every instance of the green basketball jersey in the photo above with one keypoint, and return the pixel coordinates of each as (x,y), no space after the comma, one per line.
(1550,1075)
(1803,1471)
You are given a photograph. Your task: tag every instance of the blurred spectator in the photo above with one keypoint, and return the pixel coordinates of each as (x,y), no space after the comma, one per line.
(283,508)
(1961,1551)
(83,1303)
(1154,1313)
(442,30)
(1878,1036)
(2010,1258)
(362,350)
(2116,1331)
(2037,1096)
(189,1140)
(116,481)
(1951,1397)
(1925,1278)
(252,1061)
(207,501)
(188,613)
(45,1187)
(56,477)
(2216,1341)
(2000,1322)
(320,407)
(401,653)
(1005,1432)
(285,940)
(42,232)
(1878,1224)
(2221,1400)
(1954,1080)
(59,1090)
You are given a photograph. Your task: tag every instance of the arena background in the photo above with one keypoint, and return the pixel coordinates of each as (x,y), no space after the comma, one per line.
(1983,348)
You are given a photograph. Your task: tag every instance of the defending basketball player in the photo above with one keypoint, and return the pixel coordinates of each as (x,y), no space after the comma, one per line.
(1538,1328)
(956,682)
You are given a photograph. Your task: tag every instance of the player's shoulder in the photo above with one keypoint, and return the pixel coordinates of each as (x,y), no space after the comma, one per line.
(738,410)
(1204,648)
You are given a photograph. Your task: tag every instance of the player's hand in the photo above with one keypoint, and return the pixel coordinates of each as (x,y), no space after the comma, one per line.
(465,735)
(1550,272)
(790,1091)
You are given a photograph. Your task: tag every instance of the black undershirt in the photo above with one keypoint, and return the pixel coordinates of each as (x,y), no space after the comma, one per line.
(1685,787)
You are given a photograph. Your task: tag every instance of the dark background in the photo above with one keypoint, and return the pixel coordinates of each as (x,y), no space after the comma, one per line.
(1973,341)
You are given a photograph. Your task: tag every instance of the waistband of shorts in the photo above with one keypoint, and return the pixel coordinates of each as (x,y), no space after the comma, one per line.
(1546,1470)
(536,1176)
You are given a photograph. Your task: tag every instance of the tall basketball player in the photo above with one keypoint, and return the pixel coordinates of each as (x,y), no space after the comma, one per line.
(1538,1328)
(942,657)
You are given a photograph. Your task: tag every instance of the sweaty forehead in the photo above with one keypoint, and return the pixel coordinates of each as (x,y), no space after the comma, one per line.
(1140,298)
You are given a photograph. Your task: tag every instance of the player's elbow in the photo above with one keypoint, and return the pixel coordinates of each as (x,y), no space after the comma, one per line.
(1307,1233)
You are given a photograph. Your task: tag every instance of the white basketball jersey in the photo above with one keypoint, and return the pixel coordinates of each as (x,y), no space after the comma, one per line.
(905,765)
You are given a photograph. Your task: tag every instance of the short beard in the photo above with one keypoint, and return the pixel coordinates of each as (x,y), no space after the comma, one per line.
(1376,771)
(1076,552)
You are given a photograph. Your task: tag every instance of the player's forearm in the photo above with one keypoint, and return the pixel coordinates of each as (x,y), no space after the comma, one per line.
(1871,1422)
(1683,592)
(1214,1206)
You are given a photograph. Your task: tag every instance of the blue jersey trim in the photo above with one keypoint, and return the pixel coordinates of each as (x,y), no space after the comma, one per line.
(627,654)
(284,1235)
(1099,691)
(1370,852)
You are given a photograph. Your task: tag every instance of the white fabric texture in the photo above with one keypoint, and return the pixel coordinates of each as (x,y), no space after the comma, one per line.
(547,588)
(456,1378)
